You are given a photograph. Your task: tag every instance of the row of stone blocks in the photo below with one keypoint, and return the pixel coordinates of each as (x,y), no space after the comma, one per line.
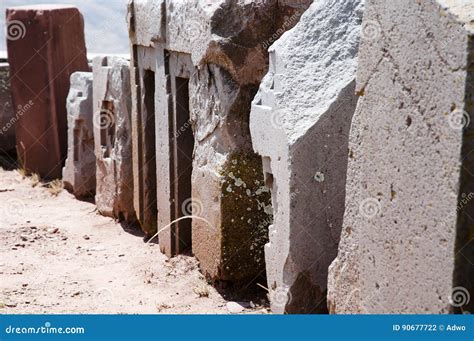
(99,137)
(365,148)
(52,91)
(369,155)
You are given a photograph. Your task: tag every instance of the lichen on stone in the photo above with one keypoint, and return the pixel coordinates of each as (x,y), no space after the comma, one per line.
(245,217)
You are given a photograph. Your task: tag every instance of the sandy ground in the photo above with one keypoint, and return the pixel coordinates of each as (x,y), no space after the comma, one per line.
(58,255)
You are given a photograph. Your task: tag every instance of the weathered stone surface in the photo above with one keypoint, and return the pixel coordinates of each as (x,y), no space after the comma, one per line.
(409,182)
(79,169)
(7,113)
(300,122)
(45,46)
(146,22)
(231,34)
(144,136)
(217,51)
(112,136)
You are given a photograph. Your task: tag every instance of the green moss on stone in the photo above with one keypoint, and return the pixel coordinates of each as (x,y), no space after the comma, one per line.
(246,215)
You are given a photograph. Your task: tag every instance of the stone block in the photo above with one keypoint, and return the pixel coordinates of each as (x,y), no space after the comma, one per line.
(79,169)
(45,46)
(112,137)
(7,112)
(200,76)
(299,123)
(146,26)
(406,244)
(144,135)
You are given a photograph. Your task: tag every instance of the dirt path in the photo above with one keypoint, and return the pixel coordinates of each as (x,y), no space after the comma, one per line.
(57,255)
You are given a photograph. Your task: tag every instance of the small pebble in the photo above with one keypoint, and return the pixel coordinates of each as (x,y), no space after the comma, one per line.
(236,307)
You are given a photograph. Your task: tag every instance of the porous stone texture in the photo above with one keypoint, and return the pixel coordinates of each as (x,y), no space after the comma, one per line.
(79,169)
(112,136)
(219,49)
(45,46)
(144,136)
(7,113)
(299,123)
(409,182)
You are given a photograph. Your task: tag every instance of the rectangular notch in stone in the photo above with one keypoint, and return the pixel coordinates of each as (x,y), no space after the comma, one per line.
(149,152)
(77,143)
(181,166)
(107,127)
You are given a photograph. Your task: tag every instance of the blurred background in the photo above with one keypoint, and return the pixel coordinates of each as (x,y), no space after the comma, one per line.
(104,21)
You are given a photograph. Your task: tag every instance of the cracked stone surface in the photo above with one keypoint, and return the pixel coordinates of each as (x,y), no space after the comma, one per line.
(112,136)
(300,123)
(405,220)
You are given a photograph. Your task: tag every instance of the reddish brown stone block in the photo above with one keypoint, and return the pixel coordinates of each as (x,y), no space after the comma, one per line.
(45,46)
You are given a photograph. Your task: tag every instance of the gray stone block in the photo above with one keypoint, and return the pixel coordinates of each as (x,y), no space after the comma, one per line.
(112,136)
(405,245)
(79,169)
(300,123)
